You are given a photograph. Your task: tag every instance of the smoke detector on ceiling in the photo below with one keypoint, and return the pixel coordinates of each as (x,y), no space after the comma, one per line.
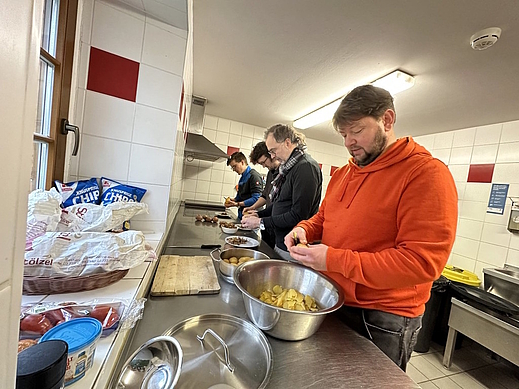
(483,39)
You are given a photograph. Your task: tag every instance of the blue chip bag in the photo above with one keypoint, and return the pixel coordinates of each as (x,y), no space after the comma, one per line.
(114,191)
(77,192)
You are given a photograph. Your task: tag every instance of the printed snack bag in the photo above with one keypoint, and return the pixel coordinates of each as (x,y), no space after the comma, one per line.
(77,192)
(114,191)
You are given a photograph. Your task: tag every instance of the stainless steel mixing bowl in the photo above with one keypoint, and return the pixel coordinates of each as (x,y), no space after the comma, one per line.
(226,268)
(254,277)
(155,365)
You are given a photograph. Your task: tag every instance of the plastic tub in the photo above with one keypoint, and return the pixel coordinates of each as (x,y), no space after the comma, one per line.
(42,366)
(81,336)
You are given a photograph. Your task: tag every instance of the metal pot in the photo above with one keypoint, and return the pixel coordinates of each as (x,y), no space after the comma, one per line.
(227,269)
(222,351)
(206,351)
(254,277)
(156,364)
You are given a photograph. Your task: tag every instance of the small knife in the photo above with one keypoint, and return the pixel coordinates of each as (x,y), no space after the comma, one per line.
(203,247)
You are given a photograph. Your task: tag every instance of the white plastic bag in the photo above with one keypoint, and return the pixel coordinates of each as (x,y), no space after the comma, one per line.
(43,213)
(59,254)
(98,218)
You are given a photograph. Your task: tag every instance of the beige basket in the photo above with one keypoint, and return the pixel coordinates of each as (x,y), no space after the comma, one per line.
(49,285)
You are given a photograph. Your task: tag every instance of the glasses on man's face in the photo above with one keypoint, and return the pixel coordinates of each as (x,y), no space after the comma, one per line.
(233,167)
(262,163)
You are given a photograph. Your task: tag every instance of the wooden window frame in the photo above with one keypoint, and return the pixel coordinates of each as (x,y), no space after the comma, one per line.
(62,62)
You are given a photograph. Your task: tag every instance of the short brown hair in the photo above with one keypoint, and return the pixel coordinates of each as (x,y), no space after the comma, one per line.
(237,156)
(258,151)
(285,131)
(365,100)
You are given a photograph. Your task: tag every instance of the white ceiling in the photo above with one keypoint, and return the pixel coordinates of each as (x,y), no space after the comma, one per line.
(269,61)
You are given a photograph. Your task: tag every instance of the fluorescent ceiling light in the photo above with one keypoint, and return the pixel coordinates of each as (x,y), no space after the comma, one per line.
(318,116)
(394,83)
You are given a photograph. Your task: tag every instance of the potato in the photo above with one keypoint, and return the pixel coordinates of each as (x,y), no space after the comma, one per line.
(288,299)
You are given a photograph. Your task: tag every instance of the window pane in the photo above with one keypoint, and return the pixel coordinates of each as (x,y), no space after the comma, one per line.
(39,165)
(50,26)
(45,98)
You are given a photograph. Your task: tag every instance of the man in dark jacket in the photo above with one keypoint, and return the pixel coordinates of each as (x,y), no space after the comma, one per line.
(250,185)
(296,191)
(260,155)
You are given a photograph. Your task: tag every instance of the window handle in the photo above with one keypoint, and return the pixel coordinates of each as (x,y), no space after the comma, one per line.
(66,127)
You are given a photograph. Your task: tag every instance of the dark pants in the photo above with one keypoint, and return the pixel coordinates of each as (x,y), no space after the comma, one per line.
(268,236)
(393,334)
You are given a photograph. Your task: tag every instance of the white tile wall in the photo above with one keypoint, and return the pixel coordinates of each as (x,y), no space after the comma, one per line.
(463,137)
(155,88)
(482,239)
(510,132)
(117,32)
(134,143)
(484,154)
(460,156)
(488,134)
(104,157)
(508,152)
(107,116)
(161,56)
(154,127)
(150,165)
(177,17)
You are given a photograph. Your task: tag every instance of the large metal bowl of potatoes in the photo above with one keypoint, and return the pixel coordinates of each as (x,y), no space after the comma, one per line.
(230,259)
(285,299)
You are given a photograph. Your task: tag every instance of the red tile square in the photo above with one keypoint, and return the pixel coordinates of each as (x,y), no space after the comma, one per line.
(231,150)
(321,166)
(333,169)
(481,173)
(112,75)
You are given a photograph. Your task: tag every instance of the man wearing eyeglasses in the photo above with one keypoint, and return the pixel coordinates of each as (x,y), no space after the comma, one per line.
(250,185)
(296,191)
(260,155)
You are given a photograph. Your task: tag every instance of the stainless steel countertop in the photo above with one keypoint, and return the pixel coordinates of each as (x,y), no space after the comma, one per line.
(334,357)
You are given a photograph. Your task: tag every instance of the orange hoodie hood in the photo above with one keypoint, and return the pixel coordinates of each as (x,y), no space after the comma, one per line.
(403,148)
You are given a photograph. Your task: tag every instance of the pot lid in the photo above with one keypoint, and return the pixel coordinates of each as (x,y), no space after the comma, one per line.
(222,351)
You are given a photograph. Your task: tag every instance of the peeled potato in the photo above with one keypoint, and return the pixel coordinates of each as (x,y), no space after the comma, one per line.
(288,299)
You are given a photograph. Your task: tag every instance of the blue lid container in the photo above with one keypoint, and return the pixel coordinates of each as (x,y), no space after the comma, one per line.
(78,333)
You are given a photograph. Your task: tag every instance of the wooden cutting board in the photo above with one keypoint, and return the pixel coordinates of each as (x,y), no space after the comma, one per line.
(182,275)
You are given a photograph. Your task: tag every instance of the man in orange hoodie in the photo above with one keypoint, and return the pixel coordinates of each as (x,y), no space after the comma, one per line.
(387,225)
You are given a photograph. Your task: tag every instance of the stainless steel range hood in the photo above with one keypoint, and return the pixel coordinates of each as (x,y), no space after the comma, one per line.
(197,145)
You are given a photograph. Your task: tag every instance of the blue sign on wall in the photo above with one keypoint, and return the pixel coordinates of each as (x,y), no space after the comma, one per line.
(497,200)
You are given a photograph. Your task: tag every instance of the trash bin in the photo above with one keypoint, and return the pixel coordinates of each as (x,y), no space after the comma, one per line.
(456,275)
(432,308)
